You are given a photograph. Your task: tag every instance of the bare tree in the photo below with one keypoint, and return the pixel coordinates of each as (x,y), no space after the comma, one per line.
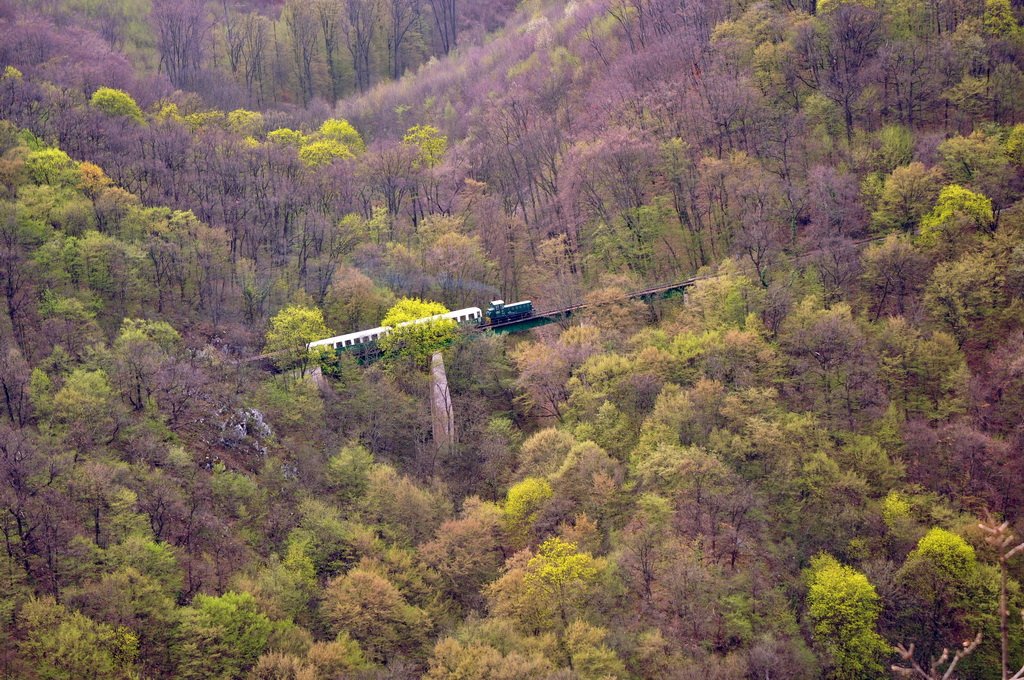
(303,29)
(1001,538)
(180,30)
(402,15)
(912,669)
(255,34)
(446,20)
(328,14)
(360,23)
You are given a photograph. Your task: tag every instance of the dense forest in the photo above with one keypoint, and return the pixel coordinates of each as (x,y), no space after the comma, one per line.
(809,466)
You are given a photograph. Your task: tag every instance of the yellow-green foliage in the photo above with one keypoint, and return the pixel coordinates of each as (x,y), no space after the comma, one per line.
(323,151)
(957,207)
(844,608)
(341,131)
(291,330)
(63,643)
(416,341)
(999,19)
(202,119)
(287,137)
(246,123)
(1014,145)
(895,509)
(115,102)
(947,552)
(430,144)
(522,503)
(52,167)
(560,576)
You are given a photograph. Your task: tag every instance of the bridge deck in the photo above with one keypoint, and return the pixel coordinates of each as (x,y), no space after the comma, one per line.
(545,317)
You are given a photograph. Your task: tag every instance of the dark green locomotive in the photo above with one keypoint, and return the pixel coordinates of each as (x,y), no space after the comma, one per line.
(499,312)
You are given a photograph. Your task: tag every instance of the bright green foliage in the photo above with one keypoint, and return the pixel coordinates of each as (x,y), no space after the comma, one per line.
(245,123)
(11,73)
(221,637)
(962,294)
(287,137)
(948,596)
(53,167)
(999,20)
(1014,145)
(341,131)
(957,209)
(560,576)
(66,645)
(429,142)
(154,559)
(285,588)
(416,341)
(328,540)
(591,658)
(323,151)
(115,102)
(411,309)
(523,502)
(895,509)
(40,392)
(906,195)
(977,160)
(291,330)
(348,472)
(896,147)
(160,333)
(84,406)
(844,608)
(946,552)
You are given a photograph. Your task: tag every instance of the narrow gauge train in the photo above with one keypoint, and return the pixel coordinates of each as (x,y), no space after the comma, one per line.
(497,312)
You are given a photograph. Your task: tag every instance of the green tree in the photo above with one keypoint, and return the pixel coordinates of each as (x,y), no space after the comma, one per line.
(591,658)
(246,123)
(373,611)
(430,144)
(522,504)
(348,472)
(948,597)
(221,637)
(341,131)
(287,137)
(561,576)
(323,151)
(964,294)
(906,195)
(142,348)
(291,330)
(999,20)
(957,210)
(411,338)
(52,167)
(115,102)
(84,406)
(844,609)
(66,645)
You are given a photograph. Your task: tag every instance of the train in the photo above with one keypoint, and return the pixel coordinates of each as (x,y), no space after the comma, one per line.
(497,312)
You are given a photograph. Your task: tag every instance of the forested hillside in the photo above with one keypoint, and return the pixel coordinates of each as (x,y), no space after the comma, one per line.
(800,465)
